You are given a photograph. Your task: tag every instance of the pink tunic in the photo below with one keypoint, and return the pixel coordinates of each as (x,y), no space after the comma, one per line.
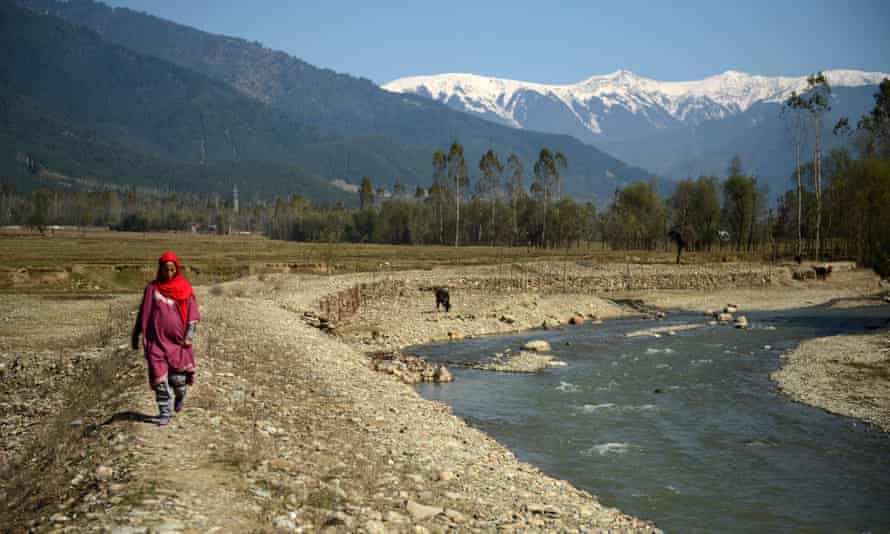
(163,333)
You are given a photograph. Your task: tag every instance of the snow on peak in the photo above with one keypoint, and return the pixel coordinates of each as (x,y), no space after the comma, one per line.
(718,96)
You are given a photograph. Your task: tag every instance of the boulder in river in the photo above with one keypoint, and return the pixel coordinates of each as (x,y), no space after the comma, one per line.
(725,317)
(521,362)
(741,322)
(536,345)
(443,375)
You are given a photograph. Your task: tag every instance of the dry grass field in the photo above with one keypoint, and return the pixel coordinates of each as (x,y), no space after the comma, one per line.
(84,262)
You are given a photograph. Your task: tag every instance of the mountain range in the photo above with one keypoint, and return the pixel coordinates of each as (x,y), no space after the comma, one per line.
(170,92)
(126,97)
(675,129)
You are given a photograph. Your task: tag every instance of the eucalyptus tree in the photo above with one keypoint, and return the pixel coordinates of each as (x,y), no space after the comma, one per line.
(457,172)
(514,187)
(794,108)
(440,164)
(814,104)
(492,170)
(547,172)
(818,106)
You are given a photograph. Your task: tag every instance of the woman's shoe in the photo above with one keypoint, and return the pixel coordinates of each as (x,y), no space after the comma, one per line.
(163,421)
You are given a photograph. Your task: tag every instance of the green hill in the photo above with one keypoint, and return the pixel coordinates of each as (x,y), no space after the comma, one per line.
(56,147)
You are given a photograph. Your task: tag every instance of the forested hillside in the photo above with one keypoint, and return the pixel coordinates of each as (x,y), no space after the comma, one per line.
(40,149)
(138,100)
(403,129)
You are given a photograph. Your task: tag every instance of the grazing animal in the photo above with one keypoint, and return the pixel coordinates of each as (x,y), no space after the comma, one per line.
(822,271)
(443,298)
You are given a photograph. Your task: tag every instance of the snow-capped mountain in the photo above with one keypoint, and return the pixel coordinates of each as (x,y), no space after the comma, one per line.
(663,126)
(589,101)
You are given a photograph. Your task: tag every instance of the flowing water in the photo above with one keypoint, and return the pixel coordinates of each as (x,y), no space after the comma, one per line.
(686,430)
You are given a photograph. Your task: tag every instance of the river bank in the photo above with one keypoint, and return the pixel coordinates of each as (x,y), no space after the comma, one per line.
(846,375)
(855,385)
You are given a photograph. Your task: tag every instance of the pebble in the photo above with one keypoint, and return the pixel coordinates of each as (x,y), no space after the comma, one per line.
(542,509)
(284,522)
(375,527)
(455,516)
(393,517)
(103,473)
(169,526)
(421,512)
(262,493)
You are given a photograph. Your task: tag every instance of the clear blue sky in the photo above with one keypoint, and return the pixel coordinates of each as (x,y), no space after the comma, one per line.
(556,41)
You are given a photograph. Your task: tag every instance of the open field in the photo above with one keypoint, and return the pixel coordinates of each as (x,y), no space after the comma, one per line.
(113,262)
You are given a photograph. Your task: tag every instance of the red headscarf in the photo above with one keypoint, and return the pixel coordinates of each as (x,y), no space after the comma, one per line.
(177,288)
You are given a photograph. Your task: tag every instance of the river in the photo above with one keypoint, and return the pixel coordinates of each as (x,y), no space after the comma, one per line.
(686,430)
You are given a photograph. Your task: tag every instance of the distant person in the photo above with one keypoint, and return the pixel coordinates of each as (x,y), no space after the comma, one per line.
(167,321)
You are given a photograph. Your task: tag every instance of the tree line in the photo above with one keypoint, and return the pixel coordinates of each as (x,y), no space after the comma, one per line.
(837,209)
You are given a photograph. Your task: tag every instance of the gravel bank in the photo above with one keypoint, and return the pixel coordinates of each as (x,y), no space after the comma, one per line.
(846,375)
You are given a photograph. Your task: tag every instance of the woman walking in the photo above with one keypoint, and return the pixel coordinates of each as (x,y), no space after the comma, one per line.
(167,322)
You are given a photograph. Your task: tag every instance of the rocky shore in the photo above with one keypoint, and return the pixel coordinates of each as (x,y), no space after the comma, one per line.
(290,427)
(846,375)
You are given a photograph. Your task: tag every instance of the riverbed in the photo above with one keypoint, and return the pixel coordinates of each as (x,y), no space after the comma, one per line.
(686,429)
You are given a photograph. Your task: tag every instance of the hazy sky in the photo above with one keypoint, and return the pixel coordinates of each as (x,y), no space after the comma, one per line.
(556,41)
